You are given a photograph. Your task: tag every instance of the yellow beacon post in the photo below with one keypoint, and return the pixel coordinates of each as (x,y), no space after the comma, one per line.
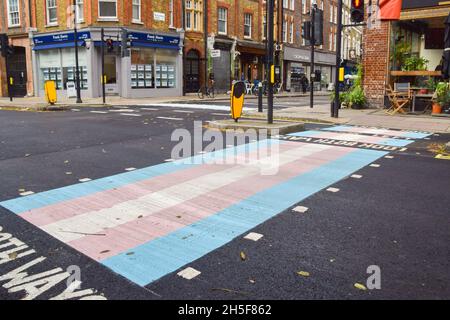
(50,92)
(237,100)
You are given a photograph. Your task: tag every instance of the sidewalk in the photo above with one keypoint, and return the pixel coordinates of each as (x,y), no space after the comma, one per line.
(38,103)
(368,117)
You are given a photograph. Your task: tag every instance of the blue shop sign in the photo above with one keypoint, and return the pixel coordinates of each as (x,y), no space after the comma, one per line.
(60,40)
(139,39)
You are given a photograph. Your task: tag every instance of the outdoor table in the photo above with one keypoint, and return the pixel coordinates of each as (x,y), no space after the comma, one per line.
(416,95)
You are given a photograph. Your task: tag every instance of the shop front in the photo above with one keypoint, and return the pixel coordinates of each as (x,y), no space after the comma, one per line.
(152,67)
(250,61)
(297,66)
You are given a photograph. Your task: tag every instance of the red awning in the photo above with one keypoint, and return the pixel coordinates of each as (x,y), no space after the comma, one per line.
(390,9)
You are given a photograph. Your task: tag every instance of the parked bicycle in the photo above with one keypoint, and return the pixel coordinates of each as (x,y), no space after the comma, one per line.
(207,91)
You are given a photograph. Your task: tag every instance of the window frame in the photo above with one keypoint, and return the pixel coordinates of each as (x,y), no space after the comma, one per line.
(139,4)
(9,12)
(219,20)
(47,11)
(248,15)
(79,7)
(106,17)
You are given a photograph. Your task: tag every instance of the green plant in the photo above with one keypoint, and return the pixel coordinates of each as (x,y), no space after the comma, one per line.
(431,84)
(357,97)
(443,93)
(402,51)
(415,64)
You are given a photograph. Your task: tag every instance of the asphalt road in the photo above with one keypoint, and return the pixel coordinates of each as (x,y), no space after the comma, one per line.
(395,216)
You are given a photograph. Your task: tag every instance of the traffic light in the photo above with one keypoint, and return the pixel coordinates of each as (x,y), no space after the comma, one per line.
(4,44)
(109,45)
(357,11)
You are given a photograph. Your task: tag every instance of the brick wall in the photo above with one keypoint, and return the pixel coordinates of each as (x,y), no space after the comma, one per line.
(376,63)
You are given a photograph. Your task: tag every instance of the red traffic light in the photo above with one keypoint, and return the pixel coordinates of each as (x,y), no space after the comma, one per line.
(357,4)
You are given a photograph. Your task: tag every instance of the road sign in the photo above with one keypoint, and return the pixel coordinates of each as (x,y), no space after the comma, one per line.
(215,53)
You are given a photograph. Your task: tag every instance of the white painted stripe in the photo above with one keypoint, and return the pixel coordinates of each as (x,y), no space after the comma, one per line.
(183,111)
(220,114)
(253,236)
(189,273)
(169,160)
(122,110)
(130,169)
(149,109)
(389,157)
(374,165)
(192,106)
(300,209)
(93,222)
(131,115)
(403,149)
(334,190)
(26,193)
(168,118)
(356,176)
(85,180)
(100,112)
(76,110)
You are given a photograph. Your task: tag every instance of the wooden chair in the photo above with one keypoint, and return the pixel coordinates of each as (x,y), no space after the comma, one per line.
(398,100)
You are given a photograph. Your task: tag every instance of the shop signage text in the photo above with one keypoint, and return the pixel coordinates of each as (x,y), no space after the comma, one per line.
(62,37)
(153,38)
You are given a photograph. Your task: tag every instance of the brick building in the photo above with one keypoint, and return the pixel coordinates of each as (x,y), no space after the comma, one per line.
(16,20)
(151,67)
(420,30)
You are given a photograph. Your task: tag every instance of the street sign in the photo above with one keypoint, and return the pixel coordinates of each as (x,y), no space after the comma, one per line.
(215,53)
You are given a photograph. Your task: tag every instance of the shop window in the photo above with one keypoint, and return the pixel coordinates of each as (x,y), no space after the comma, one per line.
(142,68)
(165,68)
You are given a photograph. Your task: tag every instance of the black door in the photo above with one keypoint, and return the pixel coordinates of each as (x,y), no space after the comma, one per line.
(192,71)
(18,71)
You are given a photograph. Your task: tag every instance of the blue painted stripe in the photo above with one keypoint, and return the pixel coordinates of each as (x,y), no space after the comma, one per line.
(39,200)
(386,142)
(167,254)
(404,134)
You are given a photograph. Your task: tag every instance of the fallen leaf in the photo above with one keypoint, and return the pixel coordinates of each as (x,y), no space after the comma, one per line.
(105,251)
(140,217)
(12,255)
(179,217)
(130,253)
(360,286)
(303,273)
(243,256)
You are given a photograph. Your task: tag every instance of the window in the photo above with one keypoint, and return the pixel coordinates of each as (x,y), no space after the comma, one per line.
(304,6)
(264,27)
(13,13)
(171,20)
(107,8)
(248,25)
(222,20)
(194,15)
(286,4)
(79,10)
(52,15)
(136,10)
(331,12)
(285,25)
(292,5)
(291,32)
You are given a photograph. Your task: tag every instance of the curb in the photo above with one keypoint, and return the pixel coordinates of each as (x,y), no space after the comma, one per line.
(281,127)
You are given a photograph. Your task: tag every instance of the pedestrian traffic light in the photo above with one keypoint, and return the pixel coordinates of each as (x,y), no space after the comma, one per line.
(109,45)
(357,11)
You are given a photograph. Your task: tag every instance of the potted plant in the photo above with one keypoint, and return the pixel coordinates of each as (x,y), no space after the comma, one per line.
(415,63)
(442,97)
(430,84)
(356,98)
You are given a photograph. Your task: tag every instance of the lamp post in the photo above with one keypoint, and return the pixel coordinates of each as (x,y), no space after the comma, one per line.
(75,35)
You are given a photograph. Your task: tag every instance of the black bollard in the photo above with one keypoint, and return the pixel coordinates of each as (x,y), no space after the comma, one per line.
(260,97)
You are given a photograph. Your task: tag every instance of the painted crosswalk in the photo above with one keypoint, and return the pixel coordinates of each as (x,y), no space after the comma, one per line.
(147,223)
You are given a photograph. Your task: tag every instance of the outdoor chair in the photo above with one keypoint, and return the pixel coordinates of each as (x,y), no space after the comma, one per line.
(398,99)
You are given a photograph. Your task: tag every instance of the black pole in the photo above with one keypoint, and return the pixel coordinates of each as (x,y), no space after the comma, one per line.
(77,67)
(183,22)
(260,97)
(205,21)
(337,102)
(313,49)
(8,78)
(270,61)
(103,65)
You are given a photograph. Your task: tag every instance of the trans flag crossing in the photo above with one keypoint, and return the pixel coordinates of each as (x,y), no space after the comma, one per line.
(150,222)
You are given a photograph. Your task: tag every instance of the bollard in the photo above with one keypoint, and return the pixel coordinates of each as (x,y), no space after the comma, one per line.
(260,97)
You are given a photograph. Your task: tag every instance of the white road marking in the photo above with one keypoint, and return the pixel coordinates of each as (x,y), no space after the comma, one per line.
(220,114)
(85,180)
(130,169)
(403,149)
(122,110)
(389,157)
(183,111)
(169,160)
(300,209)
(150,109)
(374,165)
(131,115)
(189,273)
(334,190)
(356,176)
(99,112)
(26,193)
(193,106)
(253,236)
(168,118)
(76,110)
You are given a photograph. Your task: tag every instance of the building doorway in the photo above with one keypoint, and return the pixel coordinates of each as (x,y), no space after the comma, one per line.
(18,71)
(111,87)
(192,71)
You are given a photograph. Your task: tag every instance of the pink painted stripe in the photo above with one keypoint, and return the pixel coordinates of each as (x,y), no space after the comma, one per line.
(109,198)
(364,139)
(385,132)
(140,231)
